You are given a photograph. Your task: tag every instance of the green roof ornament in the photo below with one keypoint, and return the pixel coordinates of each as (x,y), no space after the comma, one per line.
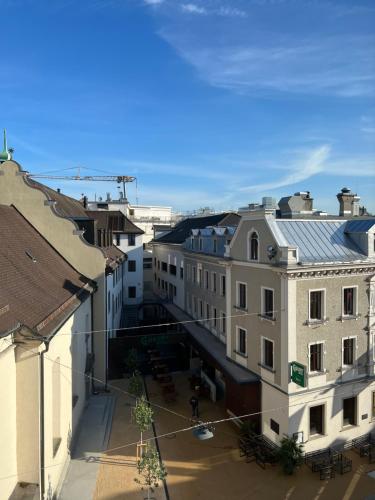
(5,154)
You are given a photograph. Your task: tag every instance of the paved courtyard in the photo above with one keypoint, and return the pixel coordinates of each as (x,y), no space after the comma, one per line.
(212,468)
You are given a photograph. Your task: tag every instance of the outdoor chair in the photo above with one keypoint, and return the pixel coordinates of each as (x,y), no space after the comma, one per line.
(327,472)
(343,465)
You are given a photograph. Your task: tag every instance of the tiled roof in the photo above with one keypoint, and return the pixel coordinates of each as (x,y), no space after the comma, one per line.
(317,241)
(114,220)
(39,289)
(183,229)
(65,205)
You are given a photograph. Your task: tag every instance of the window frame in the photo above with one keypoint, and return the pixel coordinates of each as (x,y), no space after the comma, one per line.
(323,306)
(354,338)
(324,410)
(213,282)
(223,323)
(263,303)
(132,238)
(135,266)
(355,301)
(240,329)
(355,419)
(322,357)
(263,351)
(238,295)
(249,245)
(223,289)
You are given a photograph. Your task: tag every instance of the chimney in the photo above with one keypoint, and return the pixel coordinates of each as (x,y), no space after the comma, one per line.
(108,197)
(58,190)
(349,203)
(85,202)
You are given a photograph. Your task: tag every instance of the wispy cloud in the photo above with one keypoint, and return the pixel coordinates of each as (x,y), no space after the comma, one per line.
(313,164)
(153,2)
(336,65)
(192,8)
(226,11)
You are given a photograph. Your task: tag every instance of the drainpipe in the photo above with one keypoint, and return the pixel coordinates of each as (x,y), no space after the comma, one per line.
(41,420)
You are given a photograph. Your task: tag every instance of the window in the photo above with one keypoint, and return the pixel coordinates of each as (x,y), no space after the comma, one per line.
(373,405)
(200,281)
(254,244)
(349,411)
(349,301)
(275,427)
(195,305)
(131,240)
(174,291)
(241,341)
(194,274)
(317,305)
(200,244)
(223,323)
(206,281)
(348,349)
(159,265)
(200,309)
(316,420)
(214,282)
(241,295)
(268,353)
(222,285)
(208,313)
(147,263)
(215,245)
(215,317)
(181,273)
(118,239)
(172,269)
(131,266)
(131,292)
(316,357)
(164,267)
(267,303)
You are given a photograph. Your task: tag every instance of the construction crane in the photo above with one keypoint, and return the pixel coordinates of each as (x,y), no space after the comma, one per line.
(120,179)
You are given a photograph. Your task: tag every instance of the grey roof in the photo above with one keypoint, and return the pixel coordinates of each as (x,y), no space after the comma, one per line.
(359,226)
(183,229)
(318,241)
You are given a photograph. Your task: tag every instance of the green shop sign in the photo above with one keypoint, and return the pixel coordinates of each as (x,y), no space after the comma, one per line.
(298,373)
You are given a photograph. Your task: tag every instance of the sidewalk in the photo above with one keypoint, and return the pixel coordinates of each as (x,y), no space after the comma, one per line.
(115,479)
(80,480)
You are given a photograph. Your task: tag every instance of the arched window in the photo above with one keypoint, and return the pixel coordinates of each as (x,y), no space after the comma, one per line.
(254,245)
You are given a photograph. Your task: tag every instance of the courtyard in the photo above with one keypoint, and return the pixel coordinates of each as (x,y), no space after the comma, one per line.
(212,468)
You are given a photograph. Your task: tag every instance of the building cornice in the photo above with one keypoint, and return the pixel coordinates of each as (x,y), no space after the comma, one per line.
(327,273)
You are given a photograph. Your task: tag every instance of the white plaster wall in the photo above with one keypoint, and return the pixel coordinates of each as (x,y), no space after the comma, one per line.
(334,433)
(275,406)
(132,278)
(8,424)
(171,255)
(115,297)
(71,369)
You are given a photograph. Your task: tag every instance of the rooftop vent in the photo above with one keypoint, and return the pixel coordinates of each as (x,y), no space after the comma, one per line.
(30,255)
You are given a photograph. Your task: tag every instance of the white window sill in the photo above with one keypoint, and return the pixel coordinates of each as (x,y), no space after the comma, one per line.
(349,317)
(239,308)
(243,355)
(263,317)
(268,368)
(316,322)
(313,437)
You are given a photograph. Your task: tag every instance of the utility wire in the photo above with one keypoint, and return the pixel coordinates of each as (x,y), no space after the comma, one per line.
(201,320)
(185,429)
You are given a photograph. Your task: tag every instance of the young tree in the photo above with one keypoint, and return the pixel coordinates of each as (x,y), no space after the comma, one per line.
(143,414)
(151,470)
(290,454)
(131,361)
(136,385)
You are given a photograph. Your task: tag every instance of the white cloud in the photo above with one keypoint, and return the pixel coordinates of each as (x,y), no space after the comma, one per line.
(231,12)
(330,65)
(153,2)
(313,164)
(192,8)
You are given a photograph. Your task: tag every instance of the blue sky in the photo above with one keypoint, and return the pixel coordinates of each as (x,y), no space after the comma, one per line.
(208,103)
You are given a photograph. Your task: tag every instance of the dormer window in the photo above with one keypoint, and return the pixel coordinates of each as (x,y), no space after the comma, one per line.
(254,246)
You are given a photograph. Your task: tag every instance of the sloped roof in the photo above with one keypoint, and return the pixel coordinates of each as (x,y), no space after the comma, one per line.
(65,205)
(183,229)
(359,226)
(114,220)
(318,241)
(39,289)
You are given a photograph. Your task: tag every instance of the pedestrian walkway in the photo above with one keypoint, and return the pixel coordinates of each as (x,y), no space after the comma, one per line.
(80,481)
